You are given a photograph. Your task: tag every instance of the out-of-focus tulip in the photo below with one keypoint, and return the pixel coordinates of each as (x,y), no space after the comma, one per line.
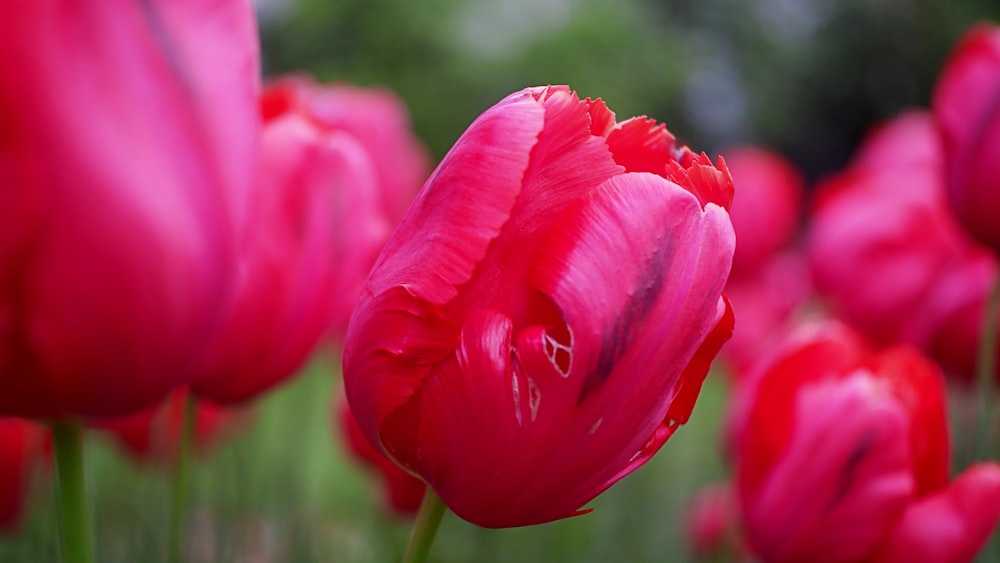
(21,447)
(382,166)
(770,280)
(129,137)
(966,106)
(326,201)
(154,435)
(402,492)
(843,455)
(712,525)
(887,255)
(766,206)
(542,319)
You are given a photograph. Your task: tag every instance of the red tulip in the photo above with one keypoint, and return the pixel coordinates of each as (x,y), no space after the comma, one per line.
(402,492)
(21,446)
(766,207)
(881,236)
(154,435)
(843,455)
(712,525)
(129,134)
(309,184)
(967,107)
(382,165)
(542,319)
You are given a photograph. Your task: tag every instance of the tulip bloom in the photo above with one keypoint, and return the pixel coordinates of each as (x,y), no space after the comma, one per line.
(401,491)
(542,319)
(770,279)
(712,525)
(766,208)
(843,455)
(887,255)
(154,436)
(968,116)
(372,159)
(129,137)
(21,447)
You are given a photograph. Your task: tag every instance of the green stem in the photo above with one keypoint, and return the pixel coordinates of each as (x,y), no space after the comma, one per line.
(74,525)
(181,474)
(425,528)
(986,364)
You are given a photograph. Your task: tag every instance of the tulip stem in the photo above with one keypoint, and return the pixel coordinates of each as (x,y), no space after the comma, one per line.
(67,438)
(181,474)
(425,528)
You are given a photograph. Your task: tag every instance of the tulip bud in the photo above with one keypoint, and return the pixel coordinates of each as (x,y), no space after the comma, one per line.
(967,111)
(541,321)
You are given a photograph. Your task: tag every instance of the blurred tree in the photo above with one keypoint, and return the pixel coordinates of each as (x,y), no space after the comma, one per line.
(807,77)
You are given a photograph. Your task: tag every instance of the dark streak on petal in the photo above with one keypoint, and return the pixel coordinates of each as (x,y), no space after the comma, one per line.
(616,341)
(861,449)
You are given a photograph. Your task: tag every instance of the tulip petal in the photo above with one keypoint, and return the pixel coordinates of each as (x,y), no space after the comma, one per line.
(566,163)
(129,132)
(463,205)
(657,259)
(949,526)
(642,145)
(386,364)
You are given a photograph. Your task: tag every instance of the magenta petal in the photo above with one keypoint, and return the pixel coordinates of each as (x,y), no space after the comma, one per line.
(464,204)
(469,429)
(636,259)
(129,132)
(399,339)
(951,525)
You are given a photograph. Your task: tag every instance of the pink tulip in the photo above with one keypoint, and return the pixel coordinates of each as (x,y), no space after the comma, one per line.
(21,448)
(843,455)
(382,167)
(888,256)
(968,114)
(308,183)
(129,135)
(542,319)
(712,525)
(766,207)
(401,492)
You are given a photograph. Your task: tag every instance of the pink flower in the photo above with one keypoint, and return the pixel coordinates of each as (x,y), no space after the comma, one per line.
(887,255)
(402,493)
(843,455)
(712,525)
(542,319)
(967,108)
(21,448)
(129,135)
(766,207)
(382,165)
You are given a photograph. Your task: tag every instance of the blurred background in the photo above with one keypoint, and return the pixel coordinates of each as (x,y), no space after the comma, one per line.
(806,77)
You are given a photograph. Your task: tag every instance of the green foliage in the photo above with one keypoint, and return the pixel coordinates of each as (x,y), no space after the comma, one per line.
(805,76)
